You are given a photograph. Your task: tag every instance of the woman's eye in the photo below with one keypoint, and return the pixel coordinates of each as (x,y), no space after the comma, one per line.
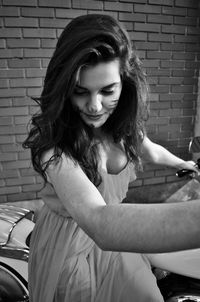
(107,92)
(80,92)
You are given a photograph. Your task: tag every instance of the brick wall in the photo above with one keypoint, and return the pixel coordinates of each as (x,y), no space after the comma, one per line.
(166,36)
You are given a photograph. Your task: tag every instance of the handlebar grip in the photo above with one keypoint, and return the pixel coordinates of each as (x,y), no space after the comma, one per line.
(184,172)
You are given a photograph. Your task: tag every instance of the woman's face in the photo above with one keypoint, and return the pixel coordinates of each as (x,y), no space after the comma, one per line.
(97,92)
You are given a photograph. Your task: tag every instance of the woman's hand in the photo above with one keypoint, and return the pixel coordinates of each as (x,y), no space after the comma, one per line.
(189,165)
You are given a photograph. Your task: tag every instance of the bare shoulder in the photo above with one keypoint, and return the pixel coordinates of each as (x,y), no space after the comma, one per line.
(56,162)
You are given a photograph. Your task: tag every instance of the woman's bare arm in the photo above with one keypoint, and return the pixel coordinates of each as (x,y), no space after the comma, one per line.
(143,228)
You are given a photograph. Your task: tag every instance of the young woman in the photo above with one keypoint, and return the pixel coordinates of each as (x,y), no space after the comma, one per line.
(88,142)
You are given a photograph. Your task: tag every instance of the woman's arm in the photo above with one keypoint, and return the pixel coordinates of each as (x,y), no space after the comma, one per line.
(124,227)
(154,153)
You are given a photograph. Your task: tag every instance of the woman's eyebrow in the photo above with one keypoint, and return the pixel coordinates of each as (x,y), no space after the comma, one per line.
(105,87)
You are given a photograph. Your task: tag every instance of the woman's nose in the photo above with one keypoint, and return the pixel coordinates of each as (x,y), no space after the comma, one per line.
(95,103)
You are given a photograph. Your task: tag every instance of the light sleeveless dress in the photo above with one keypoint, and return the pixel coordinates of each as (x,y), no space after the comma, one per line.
(65,265)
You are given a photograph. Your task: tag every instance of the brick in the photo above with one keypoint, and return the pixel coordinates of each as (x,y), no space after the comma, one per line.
(186,39)
(37,12)
(2,43)
(187,3)
(193,12)
(28,172)
(21,120)
(159,19)
(12,92)
(57,3)
(29,82)
(53,23)
(21,22)
(29,188)
(13,147)
(179,134)
(172,64)
(16,164)
(171,97)
(20,181)
(162,2)
(7,33)
(8,156)
(15,129)
(183,73)
(183,56)
(48,43)
(3,199)
(127,7)
(159,37)
(6,139)
(23,63)
(14,111)
(160,89)
(133,1)
(4,83)
(193,31)
(192,47)
(114,14)
(171,80)
(147,45)
(172,46)
(174,11)
(6,120)
(170,112)
(182,89)
(9,11)
(132,17)
(39,33)
(33,92)
(68,13)
(159,105)
(179,29)
(45,62)
(35,72)
(147,9)
(22,102)
(24,155)
(191,65)
(20,2)
(138,36)
(181,120)
(5,102)
(185,20)
(10,53)
(38,53)
(158,121)
(164,55)
(155,180)
(150,63)
(147,27)
(21,196)
(158,72)
(11,73)
(9,190)
(87,4)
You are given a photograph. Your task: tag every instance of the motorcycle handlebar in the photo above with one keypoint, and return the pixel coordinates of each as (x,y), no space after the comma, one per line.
(184,172)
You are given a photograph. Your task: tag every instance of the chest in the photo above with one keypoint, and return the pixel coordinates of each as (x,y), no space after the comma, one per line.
(112,158)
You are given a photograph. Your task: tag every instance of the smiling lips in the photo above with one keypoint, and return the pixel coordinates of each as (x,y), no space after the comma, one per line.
(93,117)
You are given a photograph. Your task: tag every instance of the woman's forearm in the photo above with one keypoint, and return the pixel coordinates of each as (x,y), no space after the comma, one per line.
(150,228)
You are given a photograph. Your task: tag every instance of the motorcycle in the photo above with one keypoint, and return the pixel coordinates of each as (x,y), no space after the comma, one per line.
(16,225)
(177,273)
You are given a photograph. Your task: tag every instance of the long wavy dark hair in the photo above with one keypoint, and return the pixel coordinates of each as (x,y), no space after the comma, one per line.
(88,39)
